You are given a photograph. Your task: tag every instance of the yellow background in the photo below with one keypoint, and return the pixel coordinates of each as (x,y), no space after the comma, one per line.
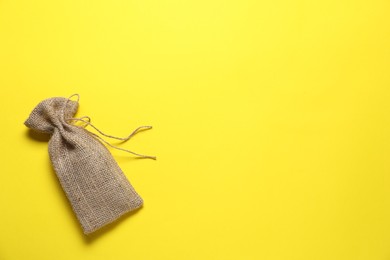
(271,126)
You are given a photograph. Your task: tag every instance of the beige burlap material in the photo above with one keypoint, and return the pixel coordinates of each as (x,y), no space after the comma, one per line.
(96,187)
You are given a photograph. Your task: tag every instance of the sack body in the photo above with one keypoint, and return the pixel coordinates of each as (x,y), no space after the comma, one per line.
(94,184)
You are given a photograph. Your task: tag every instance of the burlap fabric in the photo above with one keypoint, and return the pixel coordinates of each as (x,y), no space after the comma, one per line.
(96,187)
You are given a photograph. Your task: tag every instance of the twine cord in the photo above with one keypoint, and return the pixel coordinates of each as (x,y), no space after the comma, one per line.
(87,122)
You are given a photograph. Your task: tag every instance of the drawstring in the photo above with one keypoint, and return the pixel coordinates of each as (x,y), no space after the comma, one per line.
(145,127)
(81,119)
(88,123)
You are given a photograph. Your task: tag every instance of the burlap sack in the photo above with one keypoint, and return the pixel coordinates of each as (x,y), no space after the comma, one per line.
(96,187)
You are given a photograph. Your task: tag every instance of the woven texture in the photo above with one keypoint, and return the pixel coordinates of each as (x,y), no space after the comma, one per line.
(96,187)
